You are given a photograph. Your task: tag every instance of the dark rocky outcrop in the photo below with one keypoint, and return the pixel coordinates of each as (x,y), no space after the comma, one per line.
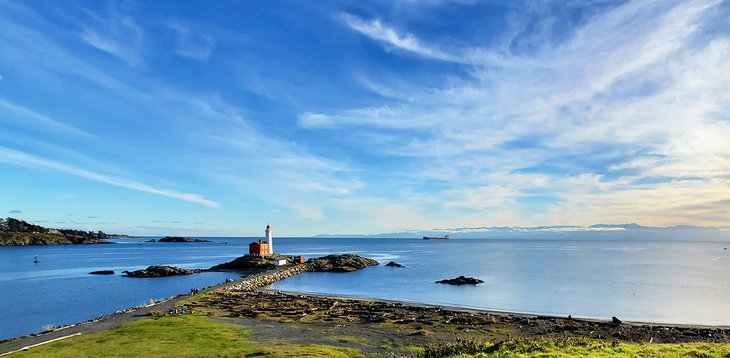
(247,262)
(180,239)
(461,280)
(393,264)
(340,263)
(102,272)
(331,263)
(160,271)
(615,320)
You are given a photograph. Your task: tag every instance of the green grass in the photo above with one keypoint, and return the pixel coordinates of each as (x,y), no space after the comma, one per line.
(177,336)
(412,348)
(572,348)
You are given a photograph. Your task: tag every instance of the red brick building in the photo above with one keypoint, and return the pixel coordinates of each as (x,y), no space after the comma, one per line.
(258,248)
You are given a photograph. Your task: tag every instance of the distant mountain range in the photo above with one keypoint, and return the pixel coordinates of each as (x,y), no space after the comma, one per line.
(597,231)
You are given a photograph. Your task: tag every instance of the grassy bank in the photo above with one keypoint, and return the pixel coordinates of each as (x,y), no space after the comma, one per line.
(572,348)
(178,336)
(198,335)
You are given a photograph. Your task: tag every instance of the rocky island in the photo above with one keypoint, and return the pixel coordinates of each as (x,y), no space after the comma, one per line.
(340,263)
(330,263)
(16,232)
(160,271)
(461,280)
(177,239)
(394,264)
(255,264)
(102,272)
(249,262)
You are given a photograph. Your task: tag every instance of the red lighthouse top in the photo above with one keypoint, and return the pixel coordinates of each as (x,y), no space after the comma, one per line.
(268,227)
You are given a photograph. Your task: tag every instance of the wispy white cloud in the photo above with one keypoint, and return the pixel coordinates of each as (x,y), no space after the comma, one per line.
(221,145)
(41,119)
(408,42)
(622,119)
(403,41)
(191,43)
(638,92)
(28,44)
(116,34)
(384,117)
(280,173)
(15,157)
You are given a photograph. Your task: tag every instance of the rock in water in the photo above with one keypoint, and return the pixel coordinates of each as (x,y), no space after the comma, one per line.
(340,263)
(461,280)
(180,239)
(393,264)
(160,271)
(102,272)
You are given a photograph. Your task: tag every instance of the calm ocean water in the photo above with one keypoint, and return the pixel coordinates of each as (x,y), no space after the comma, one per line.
(654,281)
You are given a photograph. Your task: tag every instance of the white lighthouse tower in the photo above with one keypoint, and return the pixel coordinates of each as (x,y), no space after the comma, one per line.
(269,239)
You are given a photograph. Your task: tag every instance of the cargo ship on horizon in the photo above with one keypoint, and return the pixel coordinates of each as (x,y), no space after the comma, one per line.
(437,238)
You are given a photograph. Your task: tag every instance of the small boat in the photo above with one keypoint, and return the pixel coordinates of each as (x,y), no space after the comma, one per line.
(37,260)
(437,238)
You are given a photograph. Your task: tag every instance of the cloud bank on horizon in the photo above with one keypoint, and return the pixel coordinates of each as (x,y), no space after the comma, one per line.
(345,117)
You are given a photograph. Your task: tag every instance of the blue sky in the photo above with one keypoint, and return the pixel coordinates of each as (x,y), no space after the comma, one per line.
(363,117)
